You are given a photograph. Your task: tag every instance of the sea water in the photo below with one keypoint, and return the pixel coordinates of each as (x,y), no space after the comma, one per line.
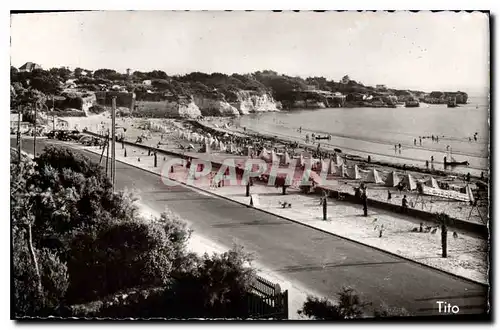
(376,131)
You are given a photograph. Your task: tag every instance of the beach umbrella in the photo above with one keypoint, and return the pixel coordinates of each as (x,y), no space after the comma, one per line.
(392,179)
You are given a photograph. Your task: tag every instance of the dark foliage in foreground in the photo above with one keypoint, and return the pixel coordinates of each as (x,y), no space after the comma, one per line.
(76,243)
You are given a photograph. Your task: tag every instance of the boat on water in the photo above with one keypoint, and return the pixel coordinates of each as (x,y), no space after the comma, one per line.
(400,105)
(453,161)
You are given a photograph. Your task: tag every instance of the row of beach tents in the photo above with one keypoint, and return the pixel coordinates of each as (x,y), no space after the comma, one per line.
(334,166)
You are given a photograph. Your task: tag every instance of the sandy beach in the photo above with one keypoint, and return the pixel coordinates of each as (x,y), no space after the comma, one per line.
(162,133)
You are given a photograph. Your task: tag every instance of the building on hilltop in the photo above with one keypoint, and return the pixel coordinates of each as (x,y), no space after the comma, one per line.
(29,66)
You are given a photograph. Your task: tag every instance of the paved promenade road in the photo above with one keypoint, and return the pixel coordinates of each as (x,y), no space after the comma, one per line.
(319,261)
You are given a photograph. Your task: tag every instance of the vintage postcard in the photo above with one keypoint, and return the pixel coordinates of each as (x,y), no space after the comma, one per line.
(250,165)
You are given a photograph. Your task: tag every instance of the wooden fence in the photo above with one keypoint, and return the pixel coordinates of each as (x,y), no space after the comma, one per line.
(267,301)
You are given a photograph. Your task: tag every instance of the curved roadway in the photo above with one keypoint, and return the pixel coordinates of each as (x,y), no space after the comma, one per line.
(320,261)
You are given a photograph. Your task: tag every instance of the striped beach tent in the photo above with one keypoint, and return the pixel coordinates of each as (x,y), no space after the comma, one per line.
(285,158)
(208,150)
(469,193)
(337,159)
(373,176)
(274,158)
(325,166)
(354,173)
(342,170)
(410,182)
(392,179)
(431,182)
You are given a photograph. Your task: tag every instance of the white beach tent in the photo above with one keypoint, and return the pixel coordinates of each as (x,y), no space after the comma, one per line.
(285,158)
(274,158)
(337,160)
(392,179)
(373,176)
(431,182)
(343,170)
(410,182)
(470,194)
(325,165)
(354,173)
(265,155)
(332,169)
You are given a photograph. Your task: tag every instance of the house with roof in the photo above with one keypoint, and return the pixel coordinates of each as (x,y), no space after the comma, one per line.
(29,66)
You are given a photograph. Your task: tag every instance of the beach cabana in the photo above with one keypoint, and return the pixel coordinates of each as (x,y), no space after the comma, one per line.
(410,182)
(325,166)
(431,182)
(392,180)
(343,171)
(354,173)
(468,190)
(337,160)
(274,158)
(285,158)
(373,176)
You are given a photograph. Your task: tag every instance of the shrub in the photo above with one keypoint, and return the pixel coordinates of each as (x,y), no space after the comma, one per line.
(349,306)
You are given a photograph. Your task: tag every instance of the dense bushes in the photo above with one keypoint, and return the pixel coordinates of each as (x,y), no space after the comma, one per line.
(76,242)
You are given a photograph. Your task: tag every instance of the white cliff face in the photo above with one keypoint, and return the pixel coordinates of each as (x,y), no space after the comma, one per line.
(211,107)
(198,105)
(168,109)
(249,102)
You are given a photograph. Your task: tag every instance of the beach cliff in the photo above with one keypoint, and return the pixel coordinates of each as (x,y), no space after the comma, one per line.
(205,104)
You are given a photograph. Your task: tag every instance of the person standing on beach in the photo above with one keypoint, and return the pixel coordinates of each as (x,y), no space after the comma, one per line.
(432,159)
(420,141)
(389,196)
(365,203)
(404,204)
(415,142)
(395,148)
(400,146)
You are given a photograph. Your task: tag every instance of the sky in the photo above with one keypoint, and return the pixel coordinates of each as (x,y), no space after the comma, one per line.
(425,51)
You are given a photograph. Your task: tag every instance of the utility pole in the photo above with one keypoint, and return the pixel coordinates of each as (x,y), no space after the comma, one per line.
(19,135)
(107,152)
(113,142)
(34,134)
